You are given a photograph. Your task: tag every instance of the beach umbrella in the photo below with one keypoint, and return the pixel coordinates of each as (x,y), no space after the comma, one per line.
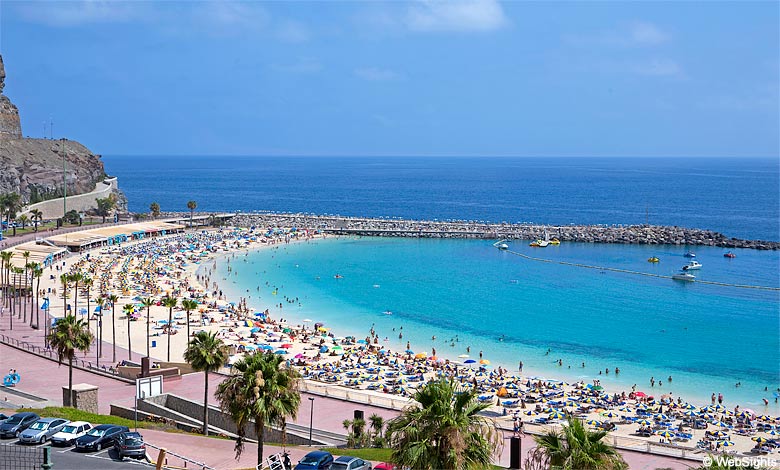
(469,361)
(759,439)
(640,394)
(463,356)
(593,422)
(688,406)
(690,413)
(287,346)
(625,409)
(644,422)
(719,407)
(609,414)
(667,434)
(409,351)
(726,443)
(266,347)
(556,415)
(720,424)
(280,351)
(773,433)
(299,356)
(484,361)
(530,413)
(718,434)
(421,355)
(661,417)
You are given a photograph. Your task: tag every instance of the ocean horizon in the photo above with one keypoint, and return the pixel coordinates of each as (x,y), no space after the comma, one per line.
(735,196)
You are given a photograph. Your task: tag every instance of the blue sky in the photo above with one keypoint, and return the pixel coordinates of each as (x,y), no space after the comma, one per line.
(587,78)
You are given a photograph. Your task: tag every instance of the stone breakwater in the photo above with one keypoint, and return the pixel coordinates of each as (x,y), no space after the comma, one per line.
(625,234)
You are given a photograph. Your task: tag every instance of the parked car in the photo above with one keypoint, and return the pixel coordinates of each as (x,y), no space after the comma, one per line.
(384,466)
(70,432)
(317,460)
(130,444)
(17,423)
(99,437)
(3,416)
(41,430)
(345,462)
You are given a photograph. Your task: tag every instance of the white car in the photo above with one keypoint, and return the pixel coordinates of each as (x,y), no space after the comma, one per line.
(68,434)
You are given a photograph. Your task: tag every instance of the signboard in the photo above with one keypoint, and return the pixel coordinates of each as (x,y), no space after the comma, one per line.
(146,387)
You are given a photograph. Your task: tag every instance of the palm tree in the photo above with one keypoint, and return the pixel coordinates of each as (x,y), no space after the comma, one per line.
(445,431)
(11,204)
(147,302)
(169,302)
(205,352)
(377,425)
(188,305)
(113,298)
(37,216)
(24,220)
(129,309)
(75,278)
(69,335)
(260,389)
(26,256)
(65,281)
(87,284)
(574,448)
(191,205)
(37,273)
(155,208)
(5,265)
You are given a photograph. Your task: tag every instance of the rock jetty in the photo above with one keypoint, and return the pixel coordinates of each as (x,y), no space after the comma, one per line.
(624,234)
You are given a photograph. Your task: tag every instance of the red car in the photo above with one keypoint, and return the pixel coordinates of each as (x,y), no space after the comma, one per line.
(385,466)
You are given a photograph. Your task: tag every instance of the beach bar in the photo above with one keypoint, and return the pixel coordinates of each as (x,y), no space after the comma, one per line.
(107,236)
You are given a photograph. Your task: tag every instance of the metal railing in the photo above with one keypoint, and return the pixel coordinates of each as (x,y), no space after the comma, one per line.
(22,458)
(382,400)
(194,463)
(48,353)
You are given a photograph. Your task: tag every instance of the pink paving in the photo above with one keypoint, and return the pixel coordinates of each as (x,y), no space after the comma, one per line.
(44,378)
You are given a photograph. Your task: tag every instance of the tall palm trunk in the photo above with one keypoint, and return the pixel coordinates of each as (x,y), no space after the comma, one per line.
(24,292)
(113,330)
(170,326)
(206,405)
(38,303)
(260,430)
(147,330)
(76,300)
(70,381)
(129,349)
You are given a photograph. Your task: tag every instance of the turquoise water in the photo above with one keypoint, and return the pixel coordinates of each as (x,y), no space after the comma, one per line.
(707,338)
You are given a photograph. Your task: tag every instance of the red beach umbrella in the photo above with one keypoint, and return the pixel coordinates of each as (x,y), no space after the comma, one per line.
(286,345)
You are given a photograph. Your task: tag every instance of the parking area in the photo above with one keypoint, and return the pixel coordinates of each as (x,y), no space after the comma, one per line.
(63,458)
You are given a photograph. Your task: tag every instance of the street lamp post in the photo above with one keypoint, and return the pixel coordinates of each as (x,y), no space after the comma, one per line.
(311,418)
(64,180)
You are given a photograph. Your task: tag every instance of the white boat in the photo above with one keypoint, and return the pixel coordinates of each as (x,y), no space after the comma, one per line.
(501,245)
(542,243)
(684,277)
(692,265)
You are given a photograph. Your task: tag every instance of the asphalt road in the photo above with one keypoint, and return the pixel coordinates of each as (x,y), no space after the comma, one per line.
(65,458)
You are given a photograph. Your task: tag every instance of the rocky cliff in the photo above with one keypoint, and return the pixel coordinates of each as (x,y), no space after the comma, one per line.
(34,167)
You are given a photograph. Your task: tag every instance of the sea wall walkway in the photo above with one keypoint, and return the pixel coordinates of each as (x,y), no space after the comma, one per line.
(623,234)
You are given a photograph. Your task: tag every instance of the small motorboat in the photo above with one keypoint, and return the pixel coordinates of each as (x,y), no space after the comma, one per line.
(501,245)
(387,312)
(684,277)
(653,259)
(539,243)
(338,276)
(555,241)
(692,265)
(690,254)
(729,255)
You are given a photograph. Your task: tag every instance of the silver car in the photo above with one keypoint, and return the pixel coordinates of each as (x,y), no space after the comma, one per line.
(41,430)
(345,462)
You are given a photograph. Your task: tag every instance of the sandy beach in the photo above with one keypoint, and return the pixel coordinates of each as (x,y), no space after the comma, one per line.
(183,266)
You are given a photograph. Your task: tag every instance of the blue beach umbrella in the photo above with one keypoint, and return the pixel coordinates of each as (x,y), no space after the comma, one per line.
(644,422)
(280,351)
(469,361)
(667,434)
(556,415)
(409,351)
(266,347)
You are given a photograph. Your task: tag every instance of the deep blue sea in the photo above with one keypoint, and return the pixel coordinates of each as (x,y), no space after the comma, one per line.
(707,338)
(738,196)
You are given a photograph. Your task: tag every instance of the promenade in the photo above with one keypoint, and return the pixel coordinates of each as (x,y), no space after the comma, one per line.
(43,378)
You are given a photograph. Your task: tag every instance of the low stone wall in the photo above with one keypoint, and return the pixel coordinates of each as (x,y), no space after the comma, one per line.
(181,409)
(52,208)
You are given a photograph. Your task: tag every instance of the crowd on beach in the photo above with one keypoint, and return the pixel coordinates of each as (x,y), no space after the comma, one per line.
(168,266)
